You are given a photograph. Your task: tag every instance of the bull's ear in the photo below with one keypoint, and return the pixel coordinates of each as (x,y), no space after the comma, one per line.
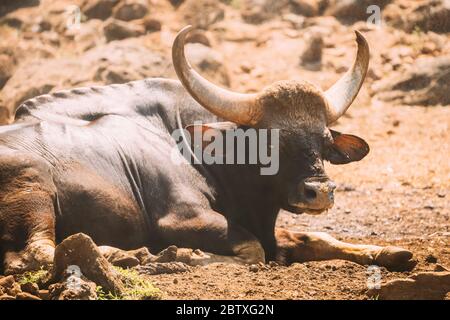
(208,133)
(346,148)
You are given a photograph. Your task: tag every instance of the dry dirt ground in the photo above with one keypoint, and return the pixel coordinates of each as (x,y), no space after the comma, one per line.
(399,194)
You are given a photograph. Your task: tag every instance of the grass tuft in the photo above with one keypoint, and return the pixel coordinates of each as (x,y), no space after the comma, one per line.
(137,287)
(33,276)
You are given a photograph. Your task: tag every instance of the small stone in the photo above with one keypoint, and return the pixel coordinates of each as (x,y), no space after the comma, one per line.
(44,294)
(347,211)
(175,281)
(253,268)
(441,194)
(440,268)
(30,287)
(313,50)
(431,258)
(27,296)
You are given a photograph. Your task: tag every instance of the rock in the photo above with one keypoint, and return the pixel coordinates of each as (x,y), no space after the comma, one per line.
(202,13)
(6,68)
(162,268)
(198,36)
(27,296)
(9,286)
(422,286)
(7,281)
(440,268)
(426,82)
(151,24)
(98,9)
(79,251)
(313,51)
(353,10)
(130,10)
(4,114)
(209,62)
(258,11)
(431,15)
(118,30)
(307,8)
(253,268)
(44,294)
(119,258)
(116,62)
(73,287)
(431,258)
(167,255)
(7,297)
(31,288)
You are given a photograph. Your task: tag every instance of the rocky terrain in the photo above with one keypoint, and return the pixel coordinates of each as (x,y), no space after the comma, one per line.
(399,194)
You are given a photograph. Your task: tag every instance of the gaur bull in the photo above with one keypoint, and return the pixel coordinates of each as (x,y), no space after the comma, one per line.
(97,160)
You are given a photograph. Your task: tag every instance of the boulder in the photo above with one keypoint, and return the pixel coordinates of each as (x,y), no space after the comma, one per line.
(421,286)
(258,11)
(130,10)
(79,252)
(151,24)
(426,82)
(312,54)
(31,288)
(6,68)
(307,8)
(430,15)
(9,286)
(118,30)
(352,10)
(209,62)
(116,62)
(202,13)
(98,9)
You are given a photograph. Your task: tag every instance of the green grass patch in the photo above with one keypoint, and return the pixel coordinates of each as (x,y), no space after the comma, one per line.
(137,287)
(33,276)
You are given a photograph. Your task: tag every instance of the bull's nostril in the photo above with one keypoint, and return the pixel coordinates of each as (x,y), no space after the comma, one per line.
(310,194)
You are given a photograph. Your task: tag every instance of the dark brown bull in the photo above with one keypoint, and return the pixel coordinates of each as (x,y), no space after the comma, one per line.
(97,160)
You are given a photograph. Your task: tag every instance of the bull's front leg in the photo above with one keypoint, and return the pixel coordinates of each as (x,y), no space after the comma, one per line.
(207,237)
(317,246)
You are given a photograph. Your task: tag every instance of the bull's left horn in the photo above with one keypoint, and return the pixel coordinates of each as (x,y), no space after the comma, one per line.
(341,95)
(236,107)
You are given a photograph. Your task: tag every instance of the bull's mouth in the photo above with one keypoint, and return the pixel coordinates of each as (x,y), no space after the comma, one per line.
(300,209)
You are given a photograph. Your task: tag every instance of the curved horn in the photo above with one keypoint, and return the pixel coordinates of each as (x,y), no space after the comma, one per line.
(236,107)
(341,95)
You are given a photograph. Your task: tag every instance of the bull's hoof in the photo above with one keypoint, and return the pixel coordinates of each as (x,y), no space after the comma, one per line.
(395,259)
(35,256)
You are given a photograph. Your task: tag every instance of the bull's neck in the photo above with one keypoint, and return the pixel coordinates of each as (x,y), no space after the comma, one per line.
(246,197)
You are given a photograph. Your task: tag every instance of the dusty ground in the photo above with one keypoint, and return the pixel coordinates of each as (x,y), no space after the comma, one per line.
(399,194)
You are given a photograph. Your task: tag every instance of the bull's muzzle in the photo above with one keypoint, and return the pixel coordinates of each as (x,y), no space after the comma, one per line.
(315,195)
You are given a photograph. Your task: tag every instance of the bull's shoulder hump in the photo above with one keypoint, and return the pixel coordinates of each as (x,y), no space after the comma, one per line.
(84,102)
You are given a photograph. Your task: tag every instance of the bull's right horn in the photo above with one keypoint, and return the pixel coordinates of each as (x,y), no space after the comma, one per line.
(236,107)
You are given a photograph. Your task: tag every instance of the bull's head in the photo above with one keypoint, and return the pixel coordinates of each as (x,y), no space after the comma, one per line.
(302,112)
